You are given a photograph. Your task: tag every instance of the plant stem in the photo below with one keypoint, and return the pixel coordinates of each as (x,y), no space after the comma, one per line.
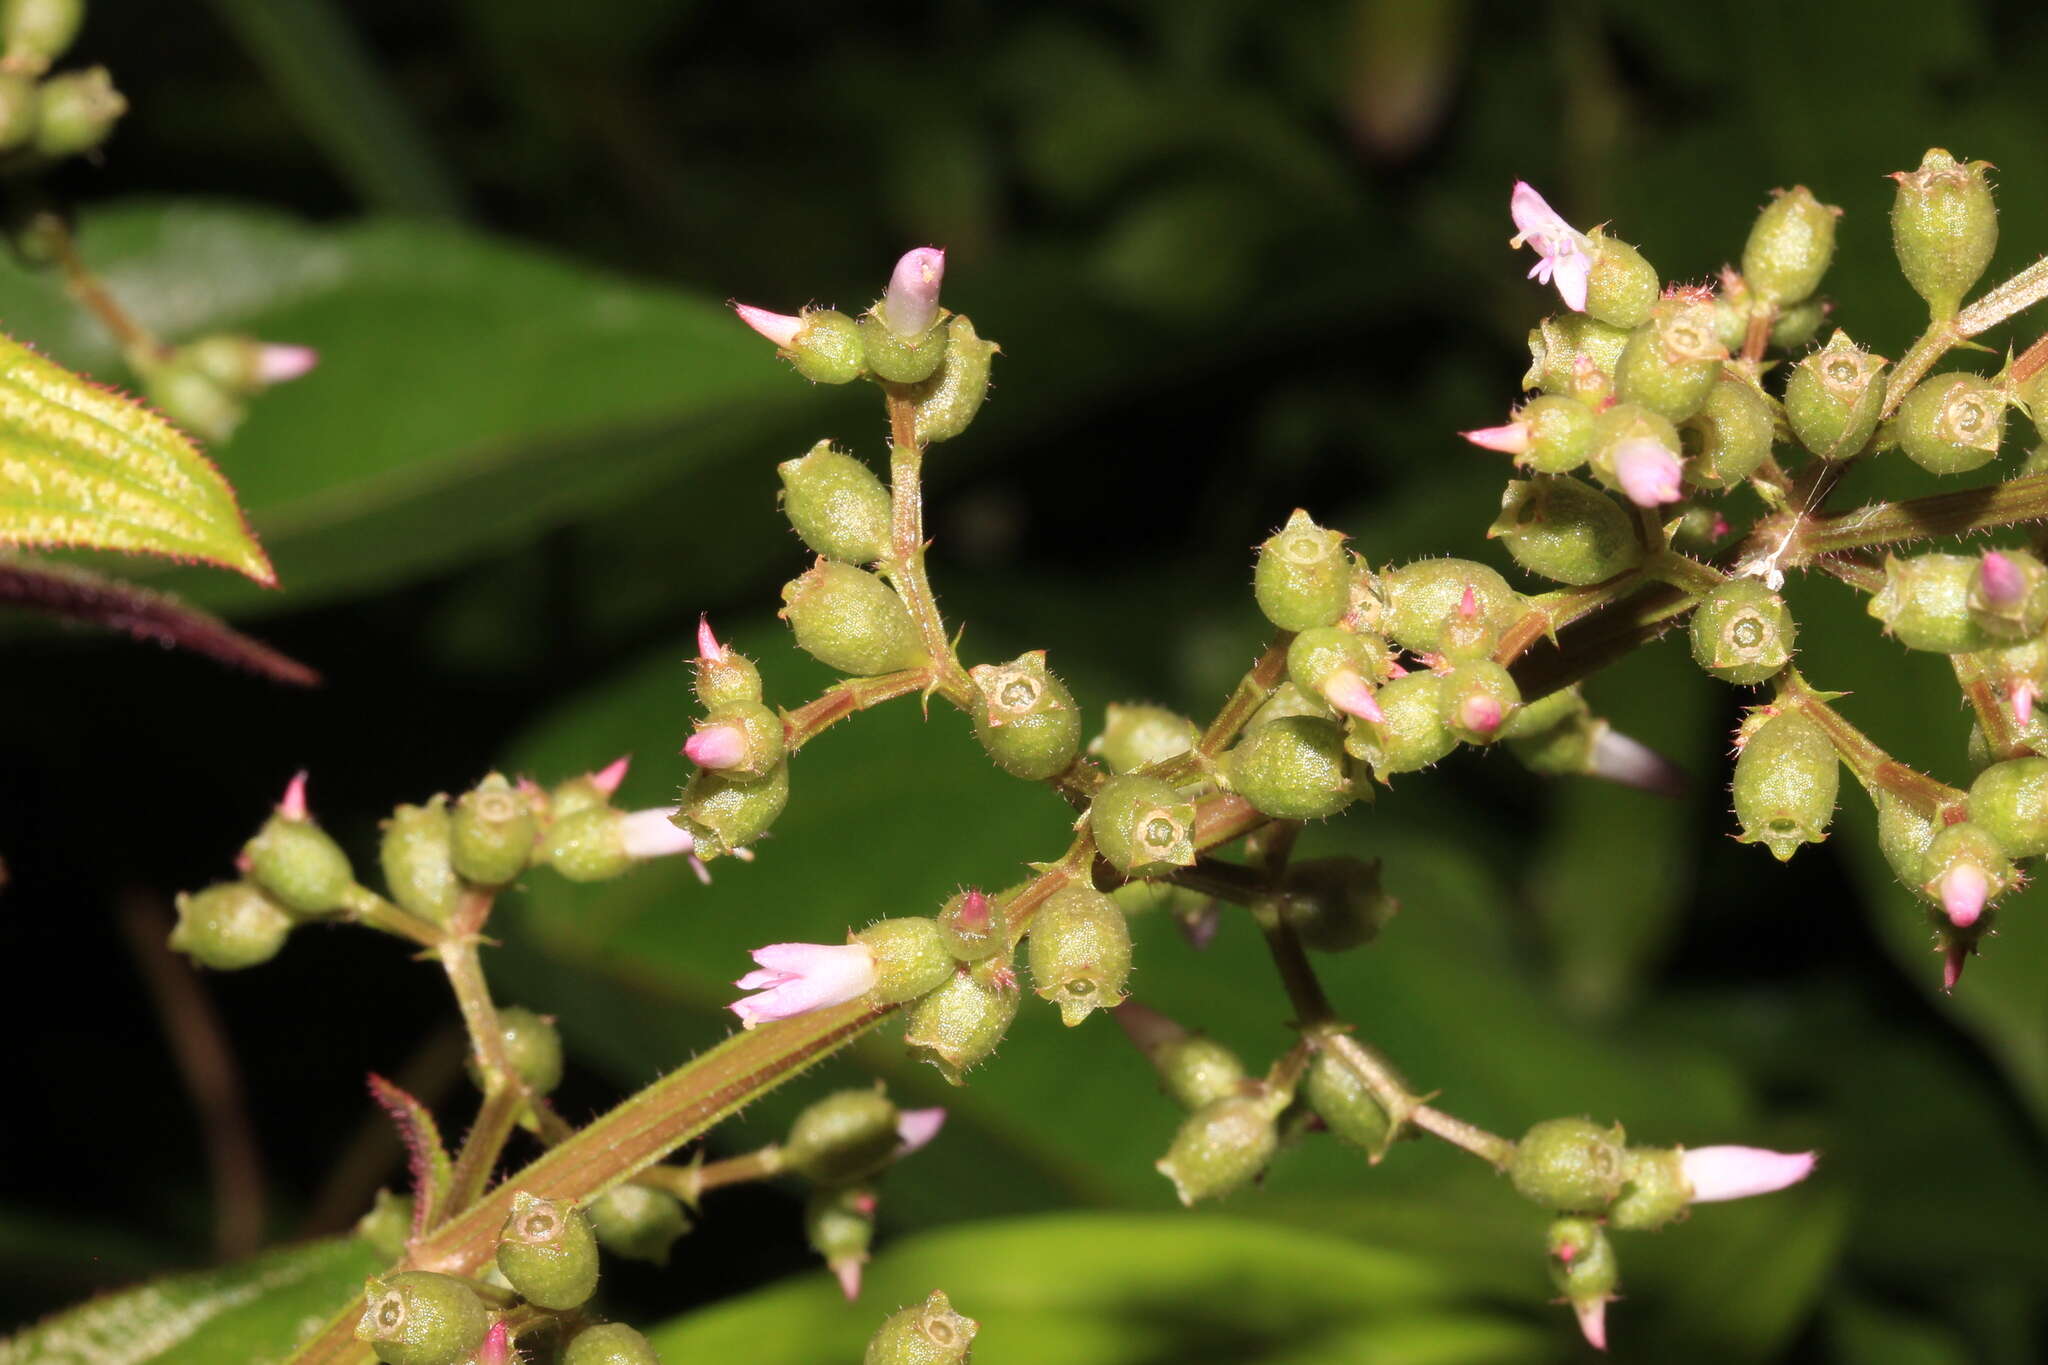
(1872,765)
(136,341)
(1552,611)
(1589,645)
(2003,734)
(1887,524)
(1247,697)
(836,703)
(907,546)
(366,907)
(2021,292)
(690,1183)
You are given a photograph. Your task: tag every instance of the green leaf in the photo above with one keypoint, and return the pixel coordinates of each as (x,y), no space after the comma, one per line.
(252,1313)
(84,466)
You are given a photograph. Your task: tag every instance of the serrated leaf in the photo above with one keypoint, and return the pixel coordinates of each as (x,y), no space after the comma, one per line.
(88,467)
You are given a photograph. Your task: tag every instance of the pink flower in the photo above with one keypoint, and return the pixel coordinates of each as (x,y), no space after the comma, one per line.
(1592,1314)
(779,328)
(1564,254)
(276,364)
(1351,694)
(796,978)
(1648,473)
(717,746)
(1964,889)
(497,1347)
(2023,696)
(2000,582)
(911,304)
(653,834)
(916,1127)
(608,778)
(1480,714)
(1510,439)
(707,643)
(292,806)
(1633,763)
(1718,1173)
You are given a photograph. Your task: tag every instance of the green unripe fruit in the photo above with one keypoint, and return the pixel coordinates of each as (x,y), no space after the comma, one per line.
(388,1225)
(491,832)
(1560,434)
(1142,826)
(233,361)
(1451,607)
(547,1253)
(300,867)
(609,1343)
(638,1223)
(827,347)
(1786,779)
(1286,701)
(973,925)
(75,112)
(1080,952)
(729,678)
(1303,577)
(928,1333)
(1966,844)
(193,399)
(1790,246)
(1411,734)
(1621,287)
(575,795)
(1026,719)
(1346,1105)
(1944,228)
(948,401)
(1833,398)
(836,504)
(1619,427)
(419,867)
(1476,700)
(587,845)
(1336,904)
(417,1317)
(1925,604)
(723,813)
(850,620)
(842,1138)
(1315,657)
(532,1045)
(1654,1190)
(19,109)
(1561,529)
(1571,1165)
(1952,424)
(2009,801)
(763,743)
(1555,735)
(1742,633)
(1730,436)
(1558,344)
(1220,1148)
(1671,362)
(1798,325)
(960,1023)
(1582,1261)
(34,33)
(900,359)
(1292,769)
(1903,835)
(1135,735)
(1194,1069)
(2009,595)
(911,958)
(230,925)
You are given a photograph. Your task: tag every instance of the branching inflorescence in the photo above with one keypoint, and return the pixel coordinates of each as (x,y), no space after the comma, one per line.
(1657,393)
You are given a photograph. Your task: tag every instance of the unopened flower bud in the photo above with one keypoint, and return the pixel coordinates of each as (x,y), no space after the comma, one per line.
(638,1223)
(836,504)
(1571,1165)
(1730,436)
(1786,779)
(1292,769)
(1080,952)
(839,1223)
(1451,607)
(911,958)
(1951,424)
(850,620)
(2009,801)
(1336,904)
(1833,398)
(1550,434)
(1585,1271)
(2010,595)
(1966,868)
(742,739)
(1342,1100)
(723,674)
(1476,700)
(1654,1191)
(1621,287)
(823,343)
(547,1253)
(417,1317)
(1564,530)
(1135,735)
(491,832)
(722,813)
(1715,1174)
(244,366)
(928,1333)
(1671,362)
(1925,604)
(1026,719)
(1574,356)
(1790,246)
(1411,734)
(76,111)
(418,864)
(1797,325)
(842,1138)
(960,1023)
(1221,1147)
(1340,666)
(34,33)
(1742,632)
(1142,826)
(230,925)
(532,1045)
(298,864)
(948,401)
(1303,577)
(609,1343)
(1944,228)
(973,925)
(1194,1069)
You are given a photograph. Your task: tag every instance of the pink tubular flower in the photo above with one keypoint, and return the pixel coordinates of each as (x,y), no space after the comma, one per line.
(1718,1173)
(916,1127)
(911,304)
(292,806)
(1964,889)
(1480,714)
(1648,473)
(717,746)
(652,834)
(497,1347)
(1351,694)
(1592,1314)
(779,328)
(707,643)
(796,978)
(608,778)
(1509,439)
(2000,581)
(2023,697)
(1633,763)
(1564,255)
(278,364)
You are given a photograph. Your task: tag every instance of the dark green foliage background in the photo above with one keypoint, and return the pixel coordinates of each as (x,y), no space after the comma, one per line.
(536,449)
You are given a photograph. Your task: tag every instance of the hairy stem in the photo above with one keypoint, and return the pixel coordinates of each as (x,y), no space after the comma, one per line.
(1887,524)
(836,703)
(1871,764)
(905,567)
